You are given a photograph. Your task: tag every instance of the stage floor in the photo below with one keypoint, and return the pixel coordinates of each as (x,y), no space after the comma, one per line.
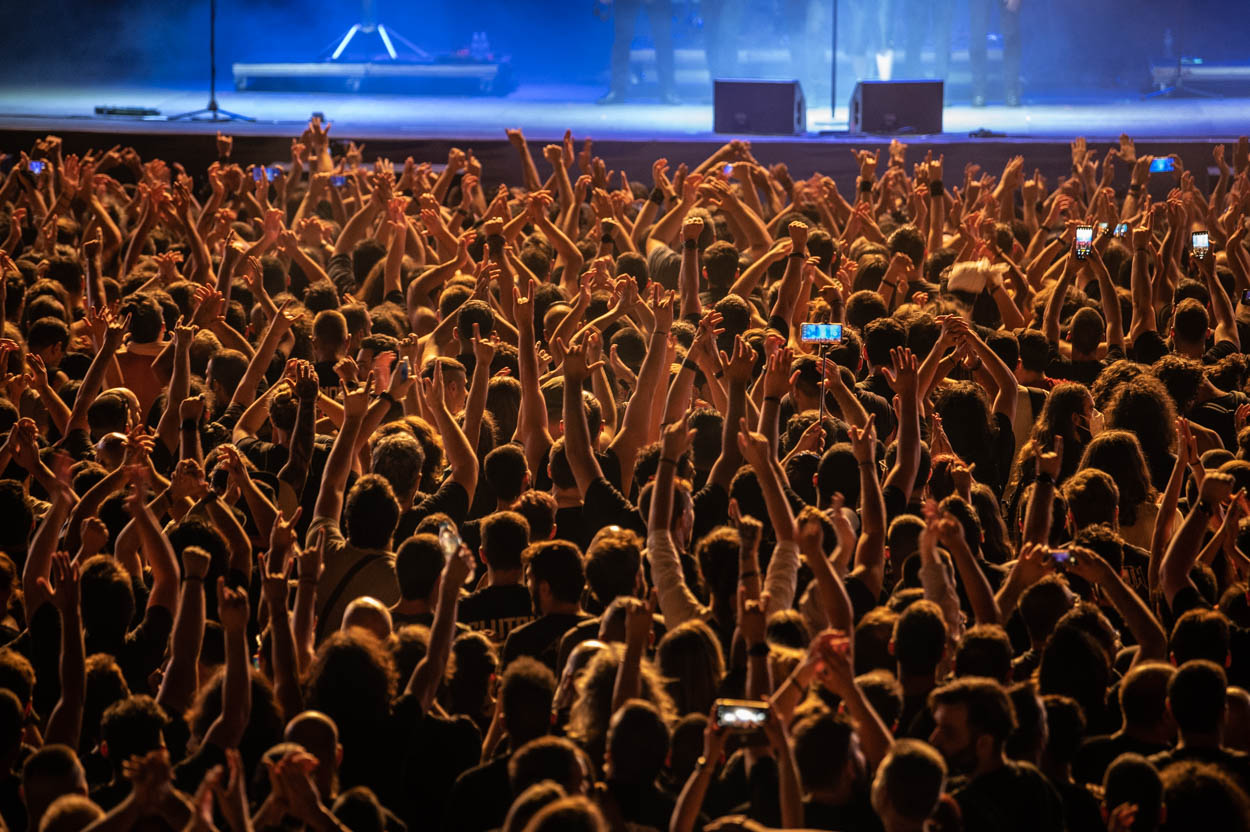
(546,111)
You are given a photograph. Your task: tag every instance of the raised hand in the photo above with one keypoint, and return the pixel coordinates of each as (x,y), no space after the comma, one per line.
(864,440)
(232,607)
(754,446)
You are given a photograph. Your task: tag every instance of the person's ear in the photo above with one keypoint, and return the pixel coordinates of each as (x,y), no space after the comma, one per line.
(104,749)
(890,646)
(481,555)
(455,333)
(338,755)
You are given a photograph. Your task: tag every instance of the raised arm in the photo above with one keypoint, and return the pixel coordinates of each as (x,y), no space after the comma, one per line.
(977,588)
(903,380)
(691,228)
(1183,551)
(1004,377)
(788,293)
(274,585)
(236,690)
(428,673)
(1152,641)
(181,679)
(1109,299)
(1225,323)
(339,464)
(94,379)
(870,554)
(577,440)
(532,424)
(65,723)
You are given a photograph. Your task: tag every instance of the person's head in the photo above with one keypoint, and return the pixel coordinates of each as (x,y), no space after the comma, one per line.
(1203,796)
(526,693)
(1143,697)
(1132,779)
(474,312)
(418,566)
(69,813)
(570,814)
(147,322)
(1065,728)
(720,264)
(1034,351)
(369,614)
(881,336)
(1092,497)
(919,640)
(1119,454)
(689,656)
(359,810)
(614,564)
(1086,332)
(1042,605)
(529,803)
(555,574)
(908,784)
(546,758)
(826,752)
(329,334)
(637,744)
(1200,634)
(717,556)
(1190,324)
(1183,377)
(973,718)
(319,736)
(371,512)
(132,728)
(352,680)
(108,599)
(505,535)
(48,339)
(1143,407)
(1196,697)
(539,510)
(863,306)
(50,773)
(985,651)
(398,457)
(506,472)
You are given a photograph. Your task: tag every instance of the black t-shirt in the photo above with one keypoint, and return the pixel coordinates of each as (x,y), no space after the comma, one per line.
(480,798)
(571,525)
(856,815)
(540,639)
(1082,370)
(1081,810)
(1098,753)
(644,805)
(1234,763)
(1015,798)
(450,499)
(602,506)
(499,609)
(1218,351)
(1238,670)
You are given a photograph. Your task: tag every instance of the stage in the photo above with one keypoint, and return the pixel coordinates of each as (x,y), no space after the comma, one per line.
(627,136)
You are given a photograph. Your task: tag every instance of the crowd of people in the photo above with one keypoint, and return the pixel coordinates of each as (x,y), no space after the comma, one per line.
(356,496)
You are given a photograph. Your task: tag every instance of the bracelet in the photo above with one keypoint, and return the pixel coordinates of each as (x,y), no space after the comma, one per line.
(386,395)
(867,462)
(1045,478)
(754,573)
(798,255)
(192,578)
(937,188)
(189,424)
(865,186)
(495,243)
(688,363)
(690,245)
(776,399)
(657,196)
(669,460)
(1205,507)
(719,374)
(759,650)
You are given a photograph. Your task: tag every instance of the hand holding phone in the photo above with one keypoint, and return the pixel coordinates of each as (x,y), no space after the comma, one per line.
(820,333)
(1162,164)
(1084,242)
(452,545)
(1200,244)
(36,166)
(742,716)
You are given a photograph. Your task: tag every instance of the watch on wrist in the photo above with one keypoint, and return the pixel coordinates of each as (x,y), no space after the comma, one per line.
(759,650)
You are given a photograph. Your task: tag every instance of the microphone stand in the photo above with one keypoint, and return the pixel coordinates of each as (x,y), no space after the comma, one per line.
(212,112)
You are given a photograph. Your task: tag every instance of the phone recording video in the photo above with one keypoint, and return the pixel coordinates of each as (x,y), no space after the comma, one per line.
(338,181)
(820,333)
(741,715)
(36,166)
(1162,164)
(1121,230)
(1084,243)
(1200,243)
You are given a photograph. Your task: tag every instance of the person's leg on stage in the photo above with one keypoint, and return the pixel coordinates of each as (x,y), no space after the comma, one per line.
(624,13)
(661,14)
(978,29)
(1010,25)
(942,12)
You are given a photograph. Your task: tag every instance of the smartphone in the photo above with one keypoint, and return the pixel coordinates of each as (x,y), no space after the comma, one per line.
(1162,164)
(258,172)
(403,370)
(741,715)
(1245,297)
(727,170)
(1102,228)
(338,181)
(1062,558)
(36,166)
(1200,243)
(820,333)
(1084,241)
(273,172)
(1121,229)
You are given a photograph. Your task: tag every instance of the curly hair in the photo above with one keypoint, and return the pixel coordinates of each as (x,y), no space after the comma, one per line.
(592,710)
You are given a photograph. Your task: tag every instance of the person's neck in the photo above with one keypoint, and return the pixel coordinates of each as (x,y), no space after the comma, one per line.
(504,505)
(416,606)
(897,824)
(563,608)
(990,764)
(839,795)
(1208,391)
(325,354)
(1189,350)
(1157,734)
(566,497)
(1056,772)
(503,577)
(1077,355)
(1208,739)
(916,684)
(1031,378)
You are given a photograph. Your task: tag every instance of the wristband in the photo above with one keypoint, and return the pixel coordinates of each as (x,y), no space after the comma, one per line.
(688,363)
(495,243)
(798,255)
(776,399)
(1134,188)
(657,196)
(865,186)
(936,188)
(386,395)
(669,460)
(759,650)
(192,578)
(1045,478)
(1205,507)
(754,573)
(867,462)
(719,374)
(189,424)
(690,245)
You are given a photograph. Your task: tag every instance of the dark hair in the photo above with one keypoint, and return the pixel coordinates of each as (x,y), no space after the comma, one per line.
(1196,696)
(1200,634)
(47,332)
(920,639)
(612,563)
(544,758)
(689,656)
(505,469)
(1065,724)
(371,512)
(1131,778)
(1042,604)
(720,259)
(1119,454)
(985,651)
(558,563)
(132,728)
(418,564)
(1190,321)
(822,746)
(880,336)
(1086,330)
(505,536)
(907,239)
(1183,377)
(1143,407)
(717,556)
(398,457)
(864,306)
(988,707)
(637,743)
(912,776)
(526,693)
(146,319)
(1034,350)
(1092,497)
(539,510)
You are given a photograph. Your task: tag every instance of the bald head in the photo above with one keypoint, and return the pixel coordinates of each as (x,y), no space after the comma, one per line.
(319,736)
(369,614)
